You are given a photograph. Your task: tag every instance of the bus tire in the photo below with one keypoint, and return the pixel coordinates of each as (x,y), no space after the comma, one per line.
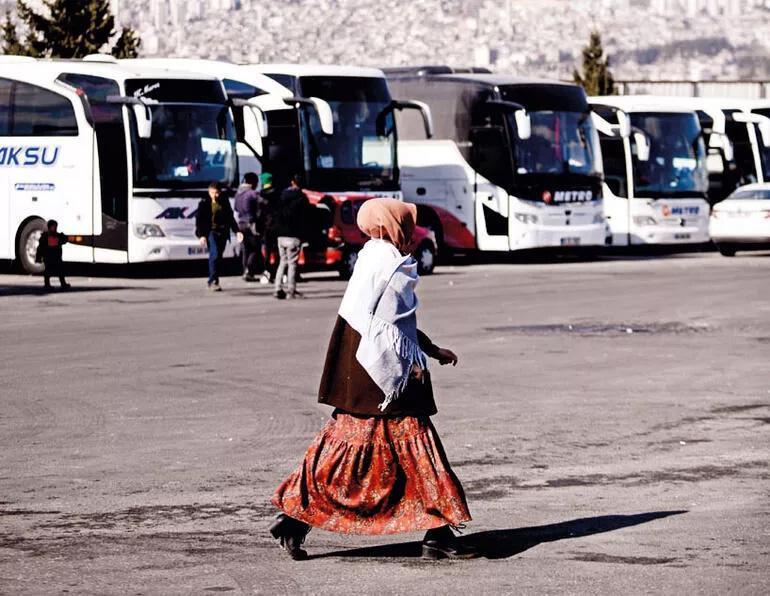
(426,258)
(726,250)
(427,218)
(26,246)
(349,258)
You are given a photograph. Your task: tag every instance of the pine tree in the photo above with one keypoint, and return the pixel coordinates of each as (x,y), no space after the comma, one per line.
(12,46)
(596,77)
(127,45)
(73,28)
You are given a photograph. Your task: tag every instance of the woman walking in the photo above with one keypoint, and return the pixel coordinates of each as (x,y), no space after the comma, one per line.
(378,466)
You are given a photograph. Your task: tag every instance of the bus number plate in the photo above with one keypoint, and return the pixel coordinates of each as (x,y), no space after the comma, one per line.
(570,241)
(681,236)
(196,250)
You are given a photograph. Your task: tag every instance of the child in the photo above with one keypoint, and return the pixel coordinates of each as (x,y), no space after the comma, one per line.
(49,253)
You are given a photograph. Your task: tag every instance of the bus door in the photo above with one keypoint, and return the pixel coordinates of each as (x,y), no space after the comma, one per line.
(110,242)
(491,160)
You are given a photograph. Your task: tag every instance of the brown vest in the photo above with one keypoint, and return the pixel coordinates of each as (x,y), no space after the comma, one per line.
(349,388)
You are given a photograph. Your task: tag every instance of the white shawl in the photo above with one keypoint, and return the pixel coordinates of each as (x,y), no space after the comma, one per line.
(380,304)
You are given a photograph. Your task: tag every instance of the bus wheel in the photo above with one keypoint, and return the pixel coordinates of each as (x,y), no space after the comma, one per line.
(26,249)
(349,259)
(426,258)
(726,250)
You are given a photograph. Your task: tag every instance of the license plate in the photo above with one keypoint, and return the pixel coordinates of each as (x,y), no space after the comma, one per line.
(681,236)
(570,241)
(196,250)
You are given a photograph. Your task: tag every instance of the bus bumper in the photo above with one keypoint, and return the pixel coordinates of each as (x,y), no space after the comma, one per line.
(559,236)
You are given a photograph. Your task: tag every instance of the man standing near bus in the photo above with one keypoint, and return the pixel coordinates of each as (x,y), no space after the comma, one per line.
(213,222)
(291,229)
(270,200)
(248,207)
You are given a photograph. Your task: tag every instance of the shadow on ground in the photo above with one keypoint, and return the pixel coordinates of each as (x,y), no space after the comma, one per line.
(39,290)
(501,544)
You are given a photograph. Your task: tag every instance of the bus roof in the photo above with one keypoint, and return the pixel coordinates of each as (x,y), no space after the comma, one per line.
(216,68)
(643,103)
(463,76)
(317,70)
(45,71)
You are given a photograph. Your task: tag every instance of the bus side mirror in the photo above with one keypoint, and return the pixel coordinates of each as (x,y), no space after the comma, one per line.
(762,122)
(322,109)
(143,120)
(642,146)
(254,128)
(722,143)
(624,125)
(420,106)
(141,110)
(523,124)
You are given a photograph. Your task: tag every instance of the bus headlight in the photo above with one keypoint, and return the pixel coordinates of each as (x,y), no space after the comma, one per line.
(526,218)
(148,231)
(644,220)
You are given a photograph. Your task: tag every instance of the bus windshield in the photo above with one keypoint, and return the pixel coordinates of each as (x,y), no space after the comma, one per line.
(676,164)
(356,156)
(560,143)
(191,145)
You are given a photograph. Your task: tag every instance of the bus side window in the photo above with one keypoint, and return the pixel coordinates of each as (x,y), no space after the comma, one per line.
(490,155)
(38,112)
(614,158)
(5,106)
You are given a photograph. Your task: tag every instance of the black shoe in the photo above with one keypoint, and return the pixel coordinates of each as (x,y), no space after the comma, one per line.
(291,533)
(441,543)
(280,294)
(65,285)
(294,296)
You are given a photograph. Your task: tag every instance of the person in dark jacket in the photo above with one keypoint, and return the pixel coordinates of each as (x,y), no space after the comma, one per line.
(49,252)
(248,208)
(290,228)
(270,200)
(213,222)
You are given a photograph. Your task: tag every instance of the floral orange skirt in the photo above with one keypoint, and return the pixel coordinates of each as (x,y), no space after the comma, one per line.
(374,476)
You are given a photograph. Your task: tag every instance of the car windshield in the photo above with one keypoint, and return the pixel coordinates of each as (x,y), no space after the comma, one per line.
(758,194)
(673,155)
(357,155)
(191,145)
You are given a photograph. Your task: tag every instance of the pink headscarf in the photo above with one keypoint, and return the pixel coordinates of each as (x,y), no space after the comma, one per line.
(389,219)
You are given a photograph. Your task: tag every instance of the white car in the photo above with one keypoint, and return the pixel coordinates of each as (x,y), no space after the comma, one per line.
(742,220)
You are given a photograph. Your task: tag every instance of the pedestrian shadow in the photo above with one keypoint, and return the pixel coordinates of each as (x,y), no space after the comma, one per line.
(26,290)
(502,544)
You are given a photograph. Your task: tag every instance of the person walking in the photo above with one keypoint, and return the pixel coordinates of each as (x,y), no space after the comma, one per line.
(213,222)
(378,466)
(290,228)
(49,252)
(270,200)
(248,207)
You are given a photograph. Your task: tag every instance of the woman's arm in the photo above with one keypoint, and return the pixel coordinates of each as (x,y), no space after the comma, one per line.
(443,355)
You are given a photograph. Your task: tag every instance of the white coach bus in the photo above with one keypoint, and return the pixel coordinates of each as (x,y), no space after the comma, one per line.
(515,163)
(656,181)
(119,154)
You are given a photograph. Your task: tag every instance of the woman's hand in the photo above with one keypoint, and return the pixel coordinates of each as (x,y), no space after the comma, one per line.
(446,356)
(202,241)
(239,237)
(417,372)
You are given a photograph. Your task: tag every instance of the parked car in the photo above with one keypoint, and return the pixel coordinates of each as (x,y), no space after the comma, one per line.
(742,220)
(339,239)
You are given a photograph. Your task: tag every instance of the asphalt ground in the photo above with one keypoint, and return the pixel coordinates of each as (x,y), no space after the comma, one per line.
(609,420)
